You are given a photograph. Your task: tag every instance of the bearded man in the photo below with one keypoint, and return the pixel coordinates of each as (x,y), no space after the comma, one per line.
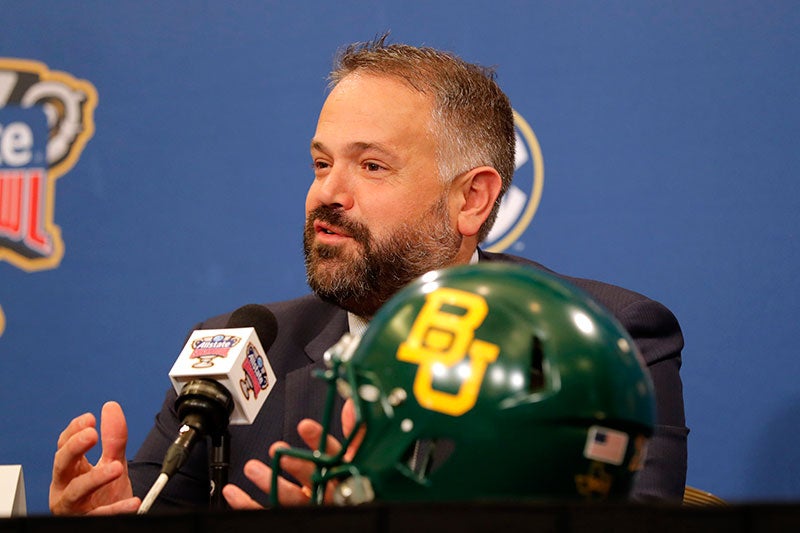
(413,150)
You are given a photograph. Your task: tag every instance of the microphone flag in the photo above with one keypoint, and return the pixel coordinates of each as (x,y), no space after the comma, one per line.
(233,357)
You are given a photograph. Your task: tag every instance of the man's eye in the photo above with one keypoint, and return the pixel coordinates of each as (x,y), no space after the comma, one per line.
(373,167)
(320,165)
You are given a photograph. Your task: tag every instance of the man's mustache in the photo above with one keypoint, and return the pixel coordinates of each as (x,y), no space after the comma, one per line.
(336,217)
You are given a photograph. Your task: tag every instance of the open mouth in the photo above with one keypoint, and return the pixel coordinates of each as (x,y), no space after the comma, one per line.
(329,232)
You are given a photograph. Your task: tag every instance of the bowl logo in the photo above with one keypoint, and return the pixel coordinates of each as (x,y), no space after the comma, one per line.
(520,203)
(206,349)
(255,377)
(46,119)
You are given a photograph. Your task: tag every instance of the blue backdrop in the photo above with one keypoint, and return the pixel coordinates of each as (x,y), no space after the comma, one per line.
(669,158)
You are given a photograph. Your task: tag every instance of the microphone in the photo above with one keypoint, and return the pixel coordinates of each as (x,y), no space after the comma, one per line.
(222,376)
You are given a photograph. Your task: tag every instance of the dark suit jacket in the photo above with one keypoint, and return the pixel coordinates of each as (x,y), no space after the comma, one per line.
(307,326)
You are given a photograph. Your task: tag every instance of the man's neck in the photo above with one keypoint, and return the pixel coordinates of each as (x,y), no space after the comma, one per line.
(466,253)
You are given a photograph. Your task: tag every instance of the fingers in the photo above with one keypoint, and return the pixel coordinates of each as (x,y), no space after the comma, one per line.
(77,486)
(70,458)
(261,476)
(311,431)
(75,495)
(354,444)
(302,470)
(79,423)
(348,416)
(348,425)
(113,432)
(239,499)
(127,506)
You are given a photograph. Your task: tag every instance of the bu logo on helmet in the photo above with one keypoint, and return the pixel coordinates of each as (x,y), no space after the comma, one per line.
(442,342)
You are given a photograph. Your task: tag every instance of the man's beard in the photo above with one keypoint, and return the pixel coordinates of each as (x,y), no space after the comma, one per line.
(362,284)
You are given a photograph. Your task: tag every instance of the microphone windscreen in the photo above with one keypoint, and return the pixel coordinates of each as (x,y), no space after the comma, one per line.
(259,318)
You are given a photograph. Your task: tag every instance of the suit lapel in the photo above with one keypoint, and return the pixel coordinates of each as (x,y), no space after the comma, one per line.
(305,394)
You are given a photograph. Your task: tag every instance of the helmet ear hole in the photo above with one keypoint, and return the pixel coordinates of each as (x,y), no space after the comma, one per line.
(425,456)
(536,381)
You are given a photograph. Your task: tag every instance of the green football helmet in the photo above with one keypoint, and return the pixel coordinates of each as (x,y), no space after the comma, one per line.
(485,382)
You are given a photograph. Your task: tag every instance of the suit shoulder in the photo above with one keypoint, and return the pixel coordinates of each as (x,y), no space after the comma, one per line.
(613,297)
(649,322)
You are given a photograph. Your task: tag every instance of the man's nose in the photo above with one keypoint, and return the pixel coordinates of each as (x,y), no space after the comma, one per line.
(335,188)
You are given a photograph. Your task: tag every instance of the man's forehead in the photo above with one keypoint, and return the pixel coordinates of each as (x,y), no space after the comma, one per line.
(376,114)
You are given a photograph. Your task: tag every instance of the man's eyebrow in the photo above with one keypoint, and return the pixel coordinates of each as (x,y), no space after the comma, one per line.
(354,147)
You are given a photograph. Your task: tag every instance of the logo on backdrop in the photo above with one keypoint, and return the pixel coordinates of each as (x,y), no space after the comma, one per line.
(522,199)
(46,118)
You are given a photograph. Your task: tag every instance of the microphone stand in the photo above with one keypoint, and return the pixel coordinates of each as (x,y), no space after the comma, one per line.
(204,408)
(218,465)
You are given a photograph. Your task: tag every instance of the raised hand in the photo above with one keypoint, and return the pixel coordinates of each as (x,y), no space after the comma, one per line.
(291,494)
(78,487)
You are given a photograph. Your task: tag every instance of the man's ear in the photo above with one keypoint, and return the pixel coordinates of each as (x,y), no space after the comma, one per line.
(477,192)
